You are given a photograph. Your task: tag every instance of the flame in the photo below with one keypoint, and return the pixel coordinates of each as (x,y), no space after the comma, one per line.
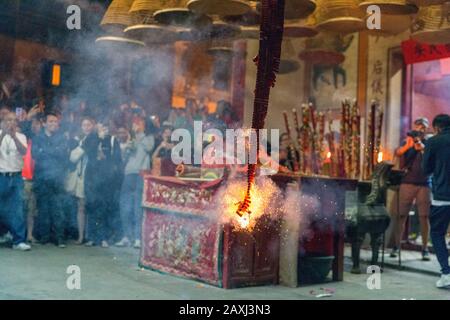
(329,155)
(380,157)
(244,221)
(261,195)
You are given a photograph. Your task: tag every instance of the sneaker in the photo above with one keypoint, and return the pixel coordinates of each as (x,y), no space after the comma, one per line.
(89,244)
(426,255)
(22,247)
(137,244)
(6,238)
(123,243)
(394,253)
(444,281)
(105,244)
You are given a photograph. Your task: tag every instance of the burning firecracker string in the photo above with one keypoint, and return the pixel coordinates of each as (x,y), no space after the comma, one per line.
(268,63)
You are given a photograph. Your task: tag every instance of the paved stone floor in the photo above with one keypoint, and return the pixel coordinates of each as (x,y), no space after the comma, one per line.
(113,274)
(410,261)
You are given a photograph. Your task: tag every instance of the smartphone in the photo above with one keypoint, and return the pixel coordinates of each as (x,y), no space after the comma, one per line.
(19,112)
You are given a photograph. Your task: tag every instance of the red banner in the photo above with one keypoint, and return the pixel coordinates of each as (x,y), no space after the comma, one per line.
(414,52)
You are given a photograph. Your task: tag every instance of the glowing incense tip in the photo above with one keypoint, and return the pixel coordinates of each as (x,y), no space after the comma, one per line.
(380,157)
(244,221)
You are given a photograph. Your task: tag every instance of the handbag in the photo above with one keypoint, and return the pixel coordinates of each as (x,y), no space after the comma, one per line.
(71,184)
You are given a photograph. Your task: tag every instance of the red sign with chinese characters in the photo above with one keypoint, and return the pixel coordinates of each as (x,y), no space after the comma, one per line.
(414,52)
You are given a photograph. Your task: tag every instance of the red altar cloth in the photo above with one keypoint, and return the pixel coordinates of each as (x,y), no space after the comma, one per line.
(180,236)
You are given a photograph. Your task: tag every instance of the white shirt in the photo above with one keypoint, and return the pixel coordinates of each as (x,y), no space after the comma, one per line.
(10,158)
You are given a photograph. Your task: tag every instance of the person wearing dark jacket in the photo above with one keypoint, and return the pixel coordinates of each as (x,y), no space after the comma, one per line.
(436,161)
(102,185)
(50,153)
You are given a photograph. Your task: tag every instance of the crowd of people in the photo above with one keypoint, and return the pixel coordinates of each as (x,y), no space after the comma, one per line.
(70,174)
(74,174)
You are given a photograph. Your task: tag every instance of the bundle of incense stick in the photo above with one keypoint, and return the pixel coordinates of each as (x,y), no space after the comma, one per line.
(356,141)
(320,139)
(349,157)
(299,141)
(306,134)
(345,159)
(343,141)
(370,142)
(348,140)
(291,148)
(377,148)
(331,145)
(315,156)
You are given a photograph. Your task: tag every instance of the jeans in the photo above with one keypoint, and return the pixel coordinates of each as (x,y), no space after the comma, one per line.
(102,208)
(50,201)
(11,208)
(439,221)
(131,206)
(97,215)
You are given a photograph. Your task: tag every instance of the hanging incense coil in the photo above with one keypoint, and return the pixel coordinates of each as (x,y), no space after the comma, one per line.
(114,44)
(153,34)
(299,9)
(339,16)
(117,15)
(322,50)
(219,7)
(288,63)
(393,25)
(397,7)
(250,18)
(299,30)
(433,24)
(250,32)
(179,15)
(147,28)
(142,11)
(424,3)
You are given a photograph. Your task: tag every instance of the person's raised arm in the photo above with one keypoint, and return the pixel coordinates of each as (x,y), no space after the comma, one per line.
(409,143)
(20,145)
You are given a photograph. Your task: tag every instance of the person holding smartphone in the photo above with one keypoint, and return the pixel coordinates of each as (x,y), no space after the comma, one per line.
(414,188)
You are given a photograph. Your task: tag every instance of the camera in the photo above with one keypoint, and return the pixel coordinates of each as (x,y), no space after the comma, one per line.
(415,134)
